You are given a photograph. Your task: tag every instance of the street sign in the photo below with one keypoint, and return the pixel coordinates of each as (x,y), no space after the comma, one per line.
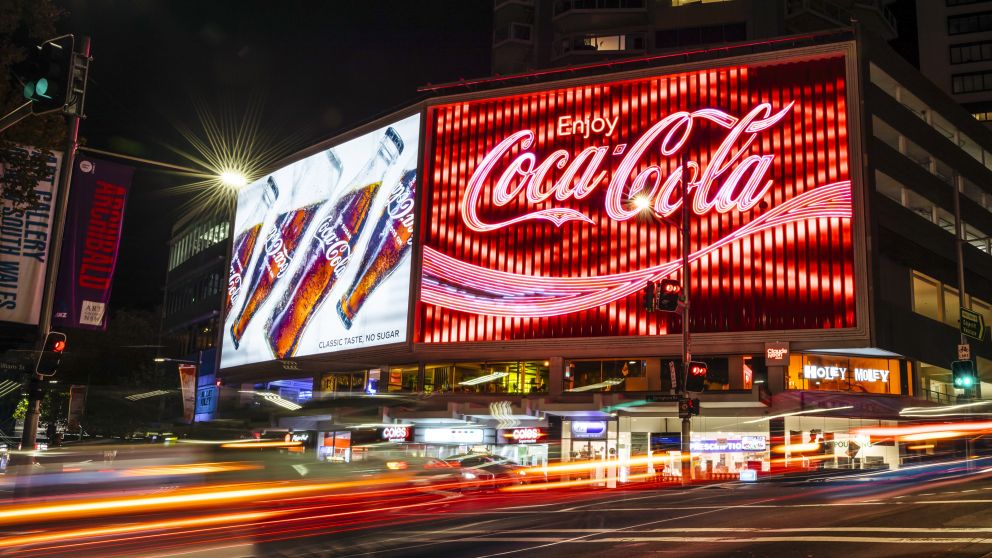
(972,324)
(662,398)
(964,352)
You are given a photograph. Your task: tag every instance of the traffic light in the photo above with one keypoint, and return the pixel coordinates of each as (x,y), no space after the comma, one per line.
(51,356)
(649,296)
(668,296)
(688,407)
(696,378)
(964,374)
(48,75)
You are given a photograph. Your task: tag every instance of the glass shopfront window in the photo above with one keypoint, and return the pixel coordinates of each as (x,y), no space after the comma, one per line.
(487,377)
(840,373)
(403,378)
(343,382)
(606,375)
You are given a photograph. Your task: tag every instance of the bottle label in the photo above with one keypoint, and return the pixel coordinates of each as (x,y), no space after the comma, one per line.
(400,208)
(276,251)
(335,240)
(234,281)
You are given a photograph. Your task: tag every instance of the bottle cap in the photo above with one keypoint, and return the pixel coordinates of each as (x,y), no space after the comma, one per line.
(392,144)
(270,193)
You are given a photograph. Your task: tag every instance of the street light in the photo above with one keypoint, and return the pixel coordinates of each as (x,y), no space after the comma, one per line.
(643,203)
(233,179)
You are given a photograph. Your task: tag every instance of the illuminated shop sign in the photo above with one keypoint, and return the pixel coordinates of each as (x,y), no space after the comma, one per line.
(588,429)
(396,433)
(814,372)
(776,353)
(320,260)
(454,435)
(535,222)
(523,435)
(741,444)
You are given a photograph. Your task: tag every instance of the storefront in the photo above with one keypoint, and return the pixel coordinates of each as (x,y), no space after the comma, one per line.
(831,442)
(524,445)
(444,442)
(855,374)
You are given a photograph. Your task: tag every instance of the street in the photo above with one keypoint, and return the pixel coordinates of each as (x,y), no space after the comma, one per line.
(931,510)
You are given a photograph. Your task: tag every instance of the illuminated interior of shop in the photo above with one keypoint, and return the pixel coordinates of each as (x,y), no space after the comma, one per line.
(606,375)
(841,373)
(487,377)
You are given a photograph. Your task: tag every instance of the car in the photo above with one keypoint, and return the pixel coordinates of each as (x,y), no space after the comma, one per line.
(486,470)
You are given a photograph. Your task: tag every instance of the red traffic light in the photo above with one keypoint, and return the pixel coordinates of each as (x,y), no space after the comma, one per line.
(696,380)
(697,369)
(58,346)
(670,286)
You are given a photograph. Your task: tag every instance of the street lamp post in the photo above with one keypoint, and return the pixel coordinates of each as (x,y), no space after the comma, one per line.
(683,232)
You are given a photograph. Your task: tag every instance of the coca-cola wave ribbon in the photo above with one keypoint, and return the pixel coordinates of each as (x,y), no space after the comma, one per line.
(457,285)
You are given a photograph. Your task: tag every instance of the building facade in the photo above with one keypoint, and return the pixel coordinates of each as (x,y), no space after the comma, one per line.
(955,38)
(470,272)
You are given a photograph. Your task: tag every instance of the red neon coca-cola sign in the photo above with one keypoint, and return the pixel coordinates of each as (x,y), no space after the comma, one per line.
(535,223)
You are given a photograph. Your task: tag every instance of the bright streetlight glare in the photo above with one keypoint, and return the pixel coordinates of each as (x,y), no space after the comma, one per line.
(234,179)
(642,203)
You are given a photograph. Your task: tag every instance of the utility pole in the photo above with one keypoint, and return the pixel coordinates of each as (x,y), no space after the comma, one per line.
(686,354)
(74,112)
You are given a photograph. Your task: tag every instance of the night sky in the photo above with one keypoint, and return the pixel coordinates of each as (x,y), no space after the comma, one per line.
(318,67)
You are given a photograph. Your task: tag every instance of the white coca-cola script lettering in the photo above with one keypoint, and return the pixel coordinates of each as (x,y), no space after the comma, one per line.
(729,180)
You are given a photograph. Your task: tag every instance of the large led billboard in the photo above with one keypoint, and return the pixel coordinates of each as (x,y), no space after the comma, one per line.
(547,212)
(321,253)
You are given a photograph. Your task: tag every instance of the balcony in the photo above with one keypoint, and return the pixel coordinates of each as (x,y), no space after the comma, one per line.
(515,32)
(577,49)
(572,16)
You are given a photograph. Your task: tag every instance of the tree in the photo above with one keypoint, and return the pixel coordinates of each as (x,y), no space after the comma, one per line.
(23,25)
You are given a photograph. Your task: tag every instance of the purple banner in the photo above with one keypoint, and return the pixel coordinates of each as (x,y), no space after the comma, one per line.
(89,247)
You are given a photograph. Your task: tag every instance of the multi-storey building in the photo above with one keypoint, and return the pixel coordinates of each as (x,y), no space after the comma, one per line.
(534,34)
(955,38)
(469,272)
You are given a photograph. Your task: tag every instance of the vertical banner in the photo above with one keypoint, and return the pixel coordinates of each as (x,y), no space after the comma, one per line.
(89,247)
(24,236)
(77,406)
(187,381)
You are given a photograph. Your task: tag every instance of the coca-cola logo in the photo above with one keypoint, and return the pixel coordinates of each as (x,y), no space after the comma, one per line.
(512,175)
(400,207)
(728,180)
(276,251)
(335,238)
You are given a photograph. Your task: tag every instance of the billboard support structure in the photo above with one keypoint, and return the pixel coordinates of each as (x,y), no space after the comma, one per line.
(30,433)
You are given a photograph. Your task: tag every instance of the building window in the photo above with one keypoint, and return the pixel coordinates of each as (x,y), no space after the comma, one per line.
(403,378)
(971,83)
(487,377)
(971,52)
(927,297)
(982,116)
(601,43)
(605,375)
(969,23)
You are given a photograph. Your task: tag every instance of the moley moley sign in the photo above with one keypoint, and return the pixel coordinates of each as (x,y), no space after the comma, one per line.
(814,372)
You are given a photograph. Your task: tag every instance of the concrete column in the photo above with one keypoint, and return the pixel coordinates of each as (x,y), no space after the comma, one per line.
(735,365)
(776,379)
(556,375)
(653,372)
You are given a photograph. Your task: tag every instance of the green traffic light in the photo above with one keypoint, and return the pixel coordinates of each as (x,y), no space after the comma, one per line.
(29,90)
(41,88)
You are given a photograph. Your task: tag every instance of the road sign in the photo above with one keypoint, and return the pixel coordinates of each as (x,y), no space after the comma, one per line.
(972,324)
(964,352)
(662,398)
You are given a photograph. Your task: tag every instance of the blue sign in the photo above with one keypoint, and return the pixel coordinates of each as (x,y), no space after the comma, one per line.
(589,429)
(206,399)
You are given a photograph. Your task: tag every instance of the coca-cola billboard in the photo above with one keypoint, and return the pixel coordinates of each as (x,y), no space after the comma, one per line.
(546,213)
(321,252)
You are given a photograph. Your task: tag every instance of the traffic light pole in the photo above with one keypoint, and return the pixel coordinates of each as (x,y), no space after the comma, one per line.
(30,434)
(686,355)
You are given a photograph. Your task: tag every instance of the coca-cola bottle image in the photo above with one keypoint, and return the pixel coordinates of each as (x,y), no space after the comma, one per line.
(390,241)
(329,252)
(281,241)
(244,244)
